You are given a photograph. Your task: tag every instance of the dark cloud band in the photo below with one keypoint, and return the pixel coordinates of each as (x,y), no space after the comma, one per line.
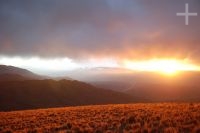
(80,29)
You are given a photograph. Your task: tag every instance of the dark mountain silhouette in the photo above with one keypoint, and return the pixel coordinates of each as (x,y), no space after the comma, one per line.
(119,86)
(30,94)
(61,78)
(11,73)
(17,73)
(22,89)
(12,77)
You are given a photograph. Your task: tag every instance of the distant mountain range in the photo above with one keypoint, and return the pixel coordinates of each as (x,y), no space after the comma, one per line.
(11,73)
(21,89)
(15,73)
(153,87)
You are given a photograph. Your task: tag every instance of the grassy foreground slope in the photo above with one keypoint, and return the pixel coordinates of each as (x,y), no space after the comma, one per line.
(156,117)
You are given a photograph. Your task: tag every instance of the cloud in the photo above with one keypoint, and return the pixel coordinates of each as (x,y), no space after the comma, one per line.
(135,29)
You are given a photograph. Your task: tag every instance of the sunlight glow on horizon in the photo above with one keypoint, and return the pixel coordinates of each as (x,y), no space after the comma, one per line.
(166,66)
(38,63)
(47,66)
(55,64)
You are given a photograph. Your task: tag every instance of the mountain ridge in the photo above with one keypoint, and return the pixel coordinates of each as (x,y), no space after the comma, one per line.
(4,69)
(32,94)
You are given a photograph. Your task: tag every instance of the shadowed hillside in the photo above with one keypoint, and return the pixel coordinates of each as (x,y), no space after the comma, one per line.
(14,73)
(12,77)
(19,95)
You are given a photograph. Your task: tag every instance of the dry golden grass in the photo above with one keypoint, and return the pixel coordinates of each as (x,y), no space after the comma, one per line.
(134,118)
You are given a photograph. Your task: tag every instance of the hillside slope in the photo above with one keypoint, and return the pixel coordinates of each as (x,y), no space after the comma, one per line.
(12,77)
(12,72)
(30,94)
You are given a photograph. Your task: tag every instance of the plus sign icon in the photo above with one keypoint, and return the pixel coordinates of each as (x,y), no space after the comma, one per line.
(186,14)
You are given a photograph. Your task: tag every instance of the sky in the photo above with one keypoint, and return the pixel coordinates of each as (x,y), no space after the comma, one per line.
(71,34)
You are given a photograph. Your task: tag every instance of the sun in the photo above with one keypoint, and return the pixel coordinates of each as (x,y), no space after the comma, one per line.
(165,66)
